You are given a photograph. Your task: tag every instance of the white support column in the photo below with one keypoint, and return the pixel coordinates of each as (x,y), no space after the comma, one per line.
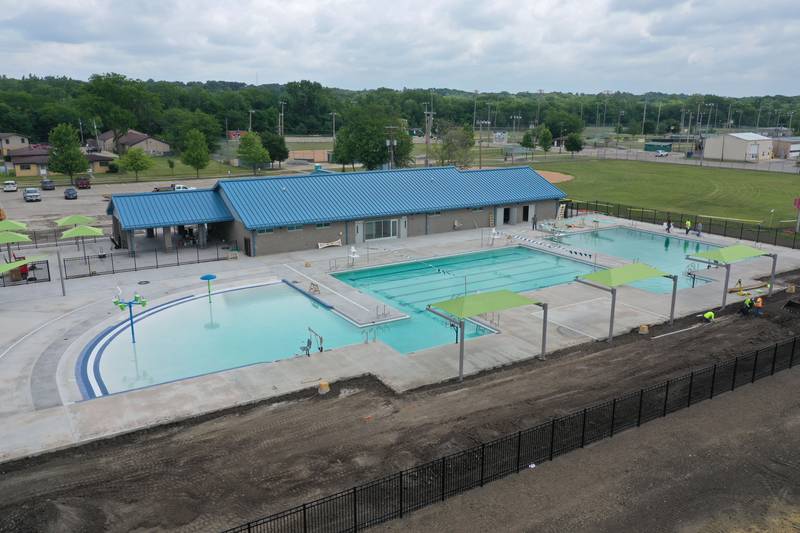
(543,356)
(461,350)
(611,321)
(725,289)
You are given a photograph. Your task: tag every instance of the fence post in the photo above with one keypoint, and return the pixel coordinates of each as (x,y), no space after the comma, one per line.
(134,260)
(791,357)
(197,249)
(401,494)
(483,461)
(443,478)
(305,519)
(355,510)
(774,357)
(552,437)
(178,255)
(794,239)
(735,369)
(88,265)
(666,397)
(519,448)
(639,417)
(741,230)
(155,250)
(758,232)
(691,386)
(725,229)
(583,431)
(613,415)
(713,381)
(755,366)
(35,244)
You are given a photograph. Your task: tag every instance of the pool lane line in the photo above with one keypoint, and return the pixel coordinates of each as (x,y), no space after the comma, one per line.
(45,325)
(327,288)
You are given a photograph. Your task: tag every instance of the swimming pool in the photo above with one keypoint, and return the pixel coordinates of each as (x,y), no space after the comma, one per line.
(665,251)
(190,337)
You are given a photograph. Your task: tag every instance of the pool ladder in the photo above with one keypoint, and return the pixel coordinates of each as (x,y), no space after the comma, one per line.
(381,312)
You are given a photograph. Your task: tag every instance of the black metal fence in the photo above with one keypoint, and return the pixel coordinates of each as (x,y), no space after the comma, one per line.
(126,261)
(785,236)
(35,272)
(400,493)
(50,237)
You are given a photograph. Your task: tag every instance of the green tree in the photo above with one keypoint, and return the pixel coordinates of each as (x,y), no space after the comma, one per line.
(456,145)
(546,140)
(365,134)
(252,152)
(573,143)
(276,146)
(176,124)
(135,160)
(344,150)
(195,151)
(527,140)
(171,165)
(65,152)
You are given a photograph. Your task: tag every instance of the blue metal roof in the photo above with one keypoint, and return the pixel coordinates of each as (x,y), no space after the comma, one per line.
(330,197)
(157,209)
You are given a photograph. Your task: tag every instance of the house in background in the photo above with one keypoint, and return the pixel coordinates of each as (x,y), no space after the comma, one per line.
(12,141)
(132,139)
(33,161)
(786,147)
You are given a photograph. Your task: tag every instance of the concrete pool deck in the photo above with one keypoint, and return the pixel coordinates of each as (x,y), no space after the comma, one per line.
(41,407)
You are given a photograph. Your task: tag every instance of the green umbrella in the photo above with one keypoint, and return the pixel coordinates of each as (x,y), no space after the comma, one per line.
(82,232)
(9,237)
(12,225)
(75,220)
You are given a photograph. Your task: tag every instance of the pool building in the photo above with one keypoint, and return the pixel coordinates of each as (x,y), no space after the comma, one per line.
(275,214)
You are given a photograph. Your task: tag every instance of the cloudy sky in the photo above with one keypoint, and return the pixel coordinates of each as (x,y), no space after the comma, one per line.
(729,47)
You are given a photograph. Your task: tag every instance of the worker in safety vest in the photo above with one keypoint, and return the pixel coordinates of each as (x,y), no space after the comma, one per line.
(747,306)
(708,316)
(688,226)
(759,306)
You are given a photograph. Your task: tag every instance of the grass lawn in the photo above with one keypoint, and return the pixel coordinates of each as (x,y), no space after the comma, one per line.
(744,194)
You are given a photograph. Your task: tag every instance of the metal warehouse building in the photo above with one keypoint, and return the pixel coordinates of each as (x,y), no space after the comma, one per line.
(738,147)
(285,213)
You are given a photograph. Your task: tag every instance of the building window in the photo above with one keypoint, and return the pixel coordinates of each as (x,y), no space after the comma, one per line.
(294,228)
(323,225)
(265,230)
(25,166)
(380,229)
(436,213)
(476,209)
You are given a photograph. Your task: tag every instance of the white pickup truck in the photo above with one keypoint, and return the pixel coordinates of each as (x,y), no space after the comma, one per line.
(173,187)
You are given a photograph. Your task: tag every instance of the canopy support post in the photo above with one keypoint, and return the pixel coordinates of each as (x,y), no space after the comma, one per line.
(674,297)
(611,321)
(461,351)
(725,289)
(772,274)
(542,355)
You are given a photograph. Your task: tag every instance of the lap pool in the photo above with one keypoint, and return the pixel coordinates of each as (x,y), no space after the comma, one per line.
(191,337)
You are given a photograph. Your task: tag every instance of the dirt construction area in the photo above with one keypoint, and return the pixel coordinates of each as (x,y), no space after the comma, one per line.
(221,470)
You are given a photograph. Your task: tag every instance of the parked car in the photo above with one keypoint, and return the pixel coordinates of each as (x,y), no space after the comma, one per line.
(661,153)
(173,187)
(48,185)
(10,186)
(70,193)
(31,194)
(83,183)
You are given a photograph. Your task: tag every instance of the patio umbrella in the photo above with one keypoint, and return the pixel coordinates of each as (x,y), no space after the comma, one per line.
(9,237)
(82,232)
(75,220)
(12,225)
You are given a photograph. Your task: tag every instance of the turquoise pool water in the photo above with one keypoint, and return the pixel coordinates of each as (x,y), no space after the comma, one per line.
(268,323)
(666,252)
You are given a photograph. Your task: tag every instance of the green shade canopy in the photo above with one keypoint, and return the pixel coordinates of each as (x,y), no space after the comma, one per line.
(75,220)
(9,237)
(614,277)
(12,225)
(730,254)
(7,267)
(82,231)
(484,302)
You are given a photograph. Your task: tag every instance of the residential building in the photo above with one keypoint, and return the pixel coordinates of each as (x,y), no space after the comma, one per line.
(132,139)
(33,161)
(744,146)
(279,214)
(786,147)
(12,141)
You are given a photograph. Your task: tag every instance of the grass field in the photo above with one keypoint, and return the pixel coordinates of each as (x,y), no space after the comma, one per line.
(744,194)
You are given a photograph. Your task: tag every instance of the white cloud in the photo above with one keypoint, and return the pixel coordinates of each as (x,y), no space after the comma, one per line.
(732,47)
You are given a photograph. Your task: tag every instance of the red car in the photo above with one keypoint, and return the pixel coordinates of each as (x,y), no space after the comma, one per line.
(83,183)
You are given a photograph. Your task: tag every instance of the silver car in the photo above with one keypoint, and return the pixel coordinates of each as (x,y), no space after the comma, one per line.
(31,194)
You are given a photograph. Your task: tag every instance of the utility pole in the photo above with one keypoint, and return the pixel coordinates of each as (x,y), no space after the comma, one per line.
(250,123)
(597,114)
(391,143)
(728,123)
(740,119)
(658,118)
(758,117)
(539,105)
(96,135)
(80,126)
(333,127)
(280,119)
(428,127)
(708,120)
(644,115)
(605,106)
(481,123)
(791,114)
(474,110)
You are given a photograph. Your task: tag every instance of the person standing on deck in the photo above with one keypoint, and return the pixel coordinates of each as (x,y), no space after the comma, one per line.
(688,226)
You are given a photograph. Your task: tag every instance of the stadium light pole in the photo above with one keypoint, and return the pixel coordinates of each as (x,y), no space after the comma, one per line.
(333,126)
(644,116)
(250,120)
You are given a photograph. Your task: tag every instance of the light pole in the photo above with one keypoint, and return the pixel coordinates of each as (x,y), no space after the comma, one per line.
(619,125)
(644,115)
(280,118)
(514,119)
(481,123)
(250,118)
(539,105)
(658,118)
(122,304)
(333,126)
(708,120)
(791,114)
(391,143)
